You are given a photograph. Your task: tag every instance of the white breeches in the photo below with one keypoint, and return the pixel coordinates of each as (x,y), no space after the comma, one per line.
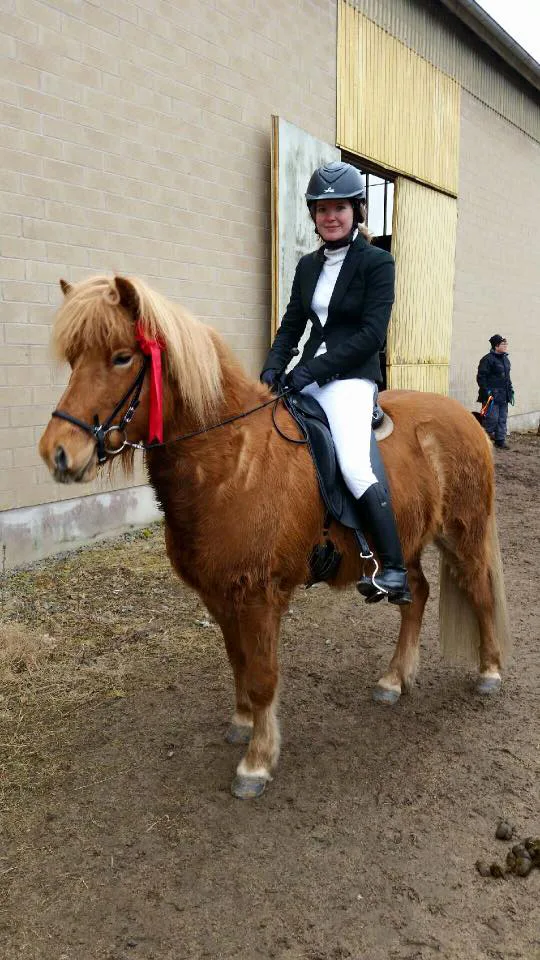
(348,405)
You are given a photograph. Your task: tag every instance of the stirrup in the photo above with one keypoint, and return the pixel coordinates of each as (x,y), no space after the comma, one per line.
(367,586)
(374,591)
(370,592)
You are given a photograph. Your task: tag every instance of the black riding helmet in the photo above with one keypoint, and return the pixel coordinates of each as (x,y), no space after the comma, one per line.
(335,181)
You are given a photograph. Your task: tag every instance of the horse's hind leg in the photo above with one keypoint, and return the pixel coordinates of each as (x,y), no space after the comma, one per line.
(490,656)
(472,571)
(403,666)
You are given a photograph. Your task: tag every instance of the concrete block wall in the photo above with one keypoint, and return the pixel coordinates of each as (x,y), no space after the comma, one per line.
(497,285)
(135,137)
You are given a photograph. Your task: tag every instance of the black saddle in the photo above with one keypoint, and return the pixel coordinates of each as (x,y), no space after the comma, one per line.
(337,497)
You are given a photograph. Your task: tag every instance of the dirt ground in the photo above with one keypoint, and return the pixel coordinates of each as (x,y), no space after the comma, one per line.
(119,838)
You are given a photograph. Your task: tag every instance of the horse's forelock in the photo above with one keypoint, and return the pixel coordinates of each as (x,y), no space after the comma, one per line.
(89,317)
(92,316)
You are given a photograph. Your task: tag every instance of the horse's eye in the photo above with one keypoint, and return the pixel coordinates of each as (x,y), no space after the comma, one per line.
(122,359)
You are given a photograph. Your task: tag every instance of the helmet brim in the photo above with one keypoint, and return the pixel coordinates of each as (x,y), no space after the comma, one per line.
(335,195)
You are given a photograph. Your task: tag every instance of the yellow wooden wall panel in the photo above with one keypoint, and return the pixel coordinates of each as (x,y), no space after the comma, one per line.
(429,378)
(395,108)
(431,33)
(423,244)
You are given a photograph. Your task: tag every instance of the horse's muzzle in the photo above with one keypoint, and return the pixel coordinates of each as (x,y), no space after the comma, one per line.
(68,462)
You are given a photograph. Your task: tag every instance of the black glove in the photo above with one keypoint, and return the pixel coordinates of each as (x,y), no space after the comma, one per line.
(272,378)
(299,378)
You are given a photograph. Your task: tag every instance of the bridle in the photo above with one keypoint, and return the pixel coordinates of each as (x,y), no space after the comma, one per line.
(100,431)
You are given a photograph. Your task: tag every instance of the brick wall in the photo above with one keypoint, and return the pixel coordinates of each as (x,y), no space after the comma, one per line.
(497,287)
(135,138)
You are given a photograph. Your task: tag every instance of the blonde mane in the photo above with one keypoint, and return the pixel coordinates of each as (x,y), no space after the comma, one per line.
(92,315)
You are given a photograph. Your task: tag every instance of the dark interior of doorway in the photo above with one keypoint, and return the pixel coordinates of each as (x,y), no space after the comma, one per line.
(380,205)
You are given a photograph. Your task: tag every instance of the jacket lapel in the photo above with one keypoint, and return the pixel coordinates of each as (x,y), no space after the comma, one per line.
(312,267)
(348,269)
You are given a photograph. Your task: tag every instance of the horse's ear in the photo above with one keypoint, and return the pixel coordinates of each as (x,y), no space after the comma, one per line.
(129,298)
(66,287)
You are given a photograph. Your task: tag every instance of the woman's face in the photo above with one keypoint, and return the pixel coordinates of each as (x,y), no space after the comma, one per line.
(333,218)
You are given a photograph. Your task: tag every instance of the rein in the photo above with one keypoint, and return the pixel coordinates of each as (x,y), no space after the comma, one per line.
(222,423)
(100,431)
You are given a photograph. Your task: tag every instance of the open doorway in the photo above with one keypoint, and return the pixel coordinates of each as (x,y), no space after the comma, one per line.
(380,209)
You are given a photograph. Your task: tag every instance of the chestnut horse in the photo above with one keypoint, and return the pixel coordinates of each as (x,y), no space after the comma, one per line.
(242,506)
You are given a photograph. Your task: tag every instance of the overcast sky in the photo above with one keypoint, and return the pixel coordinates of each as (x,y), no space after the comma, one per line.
(520,18)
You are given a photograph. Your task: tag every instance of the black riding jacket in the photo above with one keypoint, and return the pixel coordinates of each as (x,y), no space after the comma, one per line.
(358,315)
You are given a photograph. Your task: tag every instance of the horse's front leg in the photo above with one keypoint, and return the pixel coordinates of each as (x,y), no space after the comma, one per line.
(251,637)
(240,729)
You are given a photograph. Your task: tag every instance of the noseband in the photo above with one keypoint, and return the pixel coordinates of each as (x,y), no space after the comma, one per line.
(100,431)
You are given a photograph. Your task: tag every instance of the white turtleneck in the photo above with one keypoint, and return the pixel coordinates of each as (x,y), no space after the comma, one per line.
(333,260)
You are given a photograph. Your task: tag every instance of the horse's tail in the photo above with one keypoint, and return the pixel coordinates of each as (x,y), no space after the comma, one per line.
(458,625)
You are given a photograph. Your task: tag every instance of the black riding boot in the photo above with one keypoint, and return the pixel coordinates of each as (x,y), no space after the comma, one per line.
(377,520)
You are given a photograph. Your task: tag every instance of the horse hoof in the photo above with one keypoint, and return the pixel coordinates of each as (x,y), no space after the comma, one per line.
(238,735)
(486,686)
(385,696)
(248,788)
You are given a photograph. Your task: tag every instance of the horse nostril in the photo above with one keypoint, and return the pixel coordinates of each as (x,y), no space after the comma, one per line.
(60,460)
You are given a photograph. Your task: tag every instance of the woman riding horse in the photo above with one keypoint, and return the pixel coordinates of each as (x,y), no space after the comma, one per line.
(242,506)
(346,289)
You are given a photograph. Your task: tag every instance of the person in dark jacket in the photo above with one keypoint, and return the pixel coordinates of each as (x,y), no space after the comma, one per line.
(346,289)
(493,379)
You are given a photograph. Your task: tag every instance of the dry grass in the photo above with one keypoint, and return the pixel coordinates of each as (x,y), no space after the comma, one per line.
(79,631)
